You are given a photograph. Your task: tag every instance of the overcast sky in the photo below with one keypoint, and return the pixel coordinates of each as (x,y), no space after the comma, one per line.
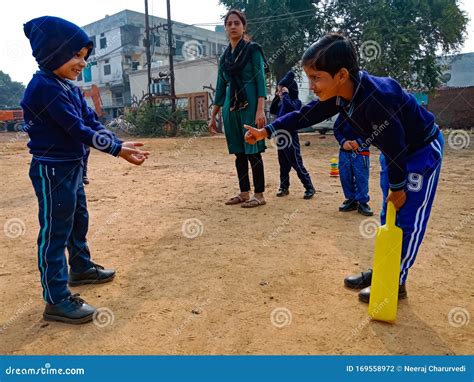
(15,51)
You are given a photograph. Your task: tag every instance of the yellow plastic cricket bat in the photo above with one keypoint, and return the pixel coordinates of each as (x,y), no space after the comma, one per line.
(386,269)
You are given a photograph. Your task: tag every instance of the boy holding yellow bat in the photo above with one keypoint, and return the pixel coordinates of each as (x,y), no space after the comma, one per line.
(383,115)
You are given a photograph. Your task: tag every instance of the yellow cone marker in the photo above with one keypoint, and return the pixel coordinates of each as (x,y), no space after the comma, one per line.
(386,269)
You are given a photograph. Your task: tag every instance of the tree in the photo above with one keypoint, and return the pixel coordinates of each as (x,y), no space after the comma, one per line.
(401,38)
(282,27)
(11,92)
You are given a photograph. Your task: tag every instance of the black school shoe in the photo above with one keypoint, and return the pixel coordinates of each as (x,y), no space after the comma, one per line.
(309,193)
(348,205)
(71,310)
(364,209)
(364,294)
(97,274)
(359,281)
(282,192)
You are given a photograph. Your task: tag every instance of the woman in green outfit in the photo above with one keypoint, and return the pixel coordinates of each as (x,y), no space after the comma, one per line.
(240,92)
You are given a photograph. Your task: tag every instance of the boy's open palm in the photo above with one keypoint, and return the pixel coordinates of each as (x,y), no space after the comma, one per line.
(133,155)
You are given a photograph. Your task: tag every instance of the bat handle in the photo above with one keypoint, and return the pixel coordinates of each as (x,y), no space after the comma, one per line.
(391,215)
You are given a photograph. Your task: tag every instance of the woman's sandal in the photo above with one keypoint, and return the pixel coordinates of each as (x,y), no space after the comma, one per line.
(253,202)
(237,199)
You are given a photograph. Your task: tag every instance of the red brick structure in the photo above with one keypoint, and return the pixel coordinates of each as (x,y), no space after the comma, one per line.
(453,107)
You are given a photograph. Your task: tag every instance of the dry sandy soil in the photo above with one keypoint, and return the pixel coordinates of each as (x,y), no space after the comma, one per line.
(233,281)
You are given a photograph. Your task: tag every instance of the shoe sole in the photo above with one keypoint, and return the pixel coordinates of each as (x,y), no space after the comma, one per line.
(365,213)
(90,281)
(358,286)
(402,297)
(74,321)
(347,210)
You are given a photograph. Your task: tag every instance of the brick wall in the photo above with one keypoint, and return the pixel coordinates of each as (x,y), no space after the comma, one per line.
(453,107)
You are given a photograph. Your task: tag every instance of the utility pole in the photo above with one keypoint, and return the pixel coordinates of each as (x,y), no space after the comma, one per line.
(148,52)
(171,54)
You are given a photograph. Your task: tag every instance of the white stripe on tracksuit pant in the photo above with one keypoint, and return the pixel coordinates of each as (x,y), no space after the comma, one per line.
(423,168)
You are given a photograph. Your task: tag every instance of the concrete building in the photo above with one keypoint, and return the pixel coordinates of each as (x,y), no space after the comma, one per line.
(190,77)
(459,70)
(119,50)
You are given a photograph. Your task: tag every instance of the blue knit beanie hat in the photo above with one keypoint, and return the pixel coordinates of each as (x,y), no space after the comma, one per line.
(289,82)
(55,41)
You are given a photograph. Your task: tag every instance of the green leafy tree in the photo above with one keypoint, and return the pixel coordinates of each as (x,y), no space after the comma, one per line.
(11,92)
(282,27)
(401,38)
(398,38)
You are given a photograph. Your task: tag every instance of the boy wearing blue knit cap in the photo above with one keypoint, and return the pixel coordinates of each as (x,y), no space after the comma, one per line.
(289,149)
(60,125)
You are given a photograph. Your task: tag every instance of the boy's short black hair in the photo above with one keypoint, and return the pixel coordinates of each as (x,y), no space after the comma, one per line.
(331,53)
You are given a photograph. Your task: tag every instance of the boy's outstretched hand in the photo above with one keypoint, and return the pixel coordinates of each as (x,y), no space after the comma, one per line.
(133,155)
(254,135)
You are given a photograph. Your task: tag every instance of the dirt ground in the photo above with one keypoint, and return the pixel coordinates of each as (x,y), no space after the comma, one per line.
(197,277)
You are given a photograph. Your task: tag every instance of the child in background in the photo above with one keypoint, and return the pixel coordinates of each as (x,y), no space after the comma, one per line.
(354,166)
(289,149)
(60,125)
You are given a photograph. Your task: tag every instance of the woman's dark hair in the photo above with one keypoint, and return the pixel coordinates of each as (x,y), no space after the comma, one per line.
(238,13)
(331,53)
(242,18)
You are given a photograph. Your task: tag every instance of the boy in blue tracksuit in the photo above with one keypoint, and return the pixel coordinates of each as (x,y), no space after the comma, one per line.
(382,114)
(354,166)
(289,149)
(60,125)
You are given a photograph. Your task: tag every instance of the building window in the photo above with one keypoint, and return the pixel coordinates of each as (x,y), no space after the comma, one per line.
(87,73)
(179,48)
(93,47)
(156,40)
(118,98)
(107,70)
(103,41)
